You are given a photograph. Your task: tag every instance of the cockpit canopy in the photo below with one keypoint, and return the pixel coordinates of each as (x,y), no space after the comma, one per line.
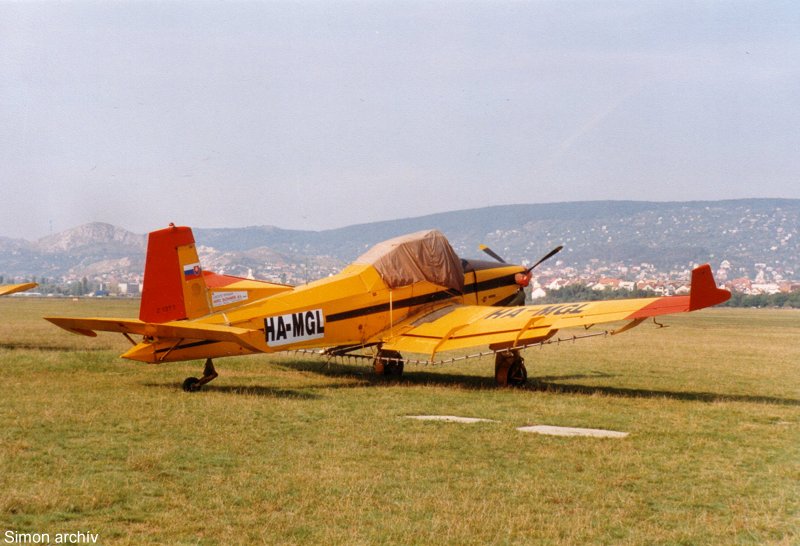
(421,256)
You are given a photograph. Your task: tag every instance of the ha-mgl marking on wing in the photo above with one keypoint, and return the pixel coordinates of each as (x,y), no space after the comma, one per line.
(294,327)
(411,294)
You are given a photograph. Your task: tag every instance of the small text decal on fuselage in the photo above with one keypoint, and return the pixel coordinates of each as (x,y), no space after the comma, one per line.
(294,327)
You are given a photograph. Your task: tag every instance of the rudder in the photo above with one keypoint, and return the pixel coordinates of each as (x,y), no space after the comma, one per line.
(174,288)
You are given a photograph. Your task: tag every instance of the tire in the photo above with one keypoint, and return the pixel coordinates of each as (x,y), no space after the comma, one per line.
(190,384)
(509,370)
(517,373)
(388,363)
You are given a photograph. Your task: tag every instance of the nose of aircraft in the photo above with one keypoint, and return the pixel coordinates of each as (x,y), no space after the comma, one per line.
(523,279)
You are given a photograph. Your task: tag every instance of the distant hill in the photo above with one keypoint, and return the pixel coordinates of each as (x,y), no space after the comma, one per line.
(670,236)
(86,250)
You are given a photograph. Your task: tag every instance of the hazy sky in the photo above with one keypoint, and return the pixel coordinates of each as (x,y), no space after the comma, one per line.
(314,115)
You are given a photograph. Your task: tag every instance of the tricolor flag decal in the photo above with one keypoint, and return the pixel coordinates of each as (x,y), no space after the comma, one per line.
(191,271)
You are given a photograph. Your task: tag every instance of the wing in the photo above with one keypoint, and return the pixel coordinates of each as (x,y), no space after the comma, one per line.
(462,326)
(7,289)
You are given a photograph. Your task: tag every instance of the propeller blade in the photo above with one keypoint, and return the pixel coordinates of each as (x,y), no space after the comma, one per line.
(492,253)
(550,254)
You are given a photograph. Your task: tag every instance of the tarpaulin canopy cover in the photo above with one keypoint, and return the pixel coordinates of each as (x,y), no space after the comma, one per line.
(421,256)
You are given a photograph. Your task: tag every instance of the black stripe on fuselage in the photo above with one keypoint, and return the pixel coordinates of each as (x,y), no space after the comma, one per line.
(506,280)
(399,304)
(469,288)
(187,346)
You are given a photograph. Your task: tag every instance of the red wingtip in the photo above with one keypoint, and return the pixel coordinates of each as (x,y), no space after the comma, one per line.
(704,292)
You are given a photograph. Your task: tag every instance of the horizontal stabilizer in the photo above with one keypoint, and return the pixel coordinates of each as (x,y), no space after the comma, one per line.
(249,339)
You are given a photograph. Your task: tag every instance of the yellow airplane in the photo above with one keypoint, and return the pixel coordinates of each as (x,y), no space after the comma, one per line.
(411,294)
(7,289)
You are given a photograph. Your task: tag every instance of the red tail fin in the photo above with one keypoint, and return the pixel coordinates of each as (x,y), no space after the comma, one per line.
(174,288)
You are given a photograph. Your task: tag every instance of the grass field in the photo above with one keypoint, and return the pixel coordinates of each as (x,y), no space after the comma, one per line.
(278,450)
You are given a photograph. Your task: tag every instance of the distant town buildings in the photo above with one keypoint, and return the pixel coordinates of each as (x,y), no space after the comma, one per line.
(646,277)
(595,275)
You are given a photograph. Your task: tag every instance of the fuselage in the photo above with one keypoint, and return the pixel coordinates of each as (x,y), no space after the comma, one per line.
(350,309)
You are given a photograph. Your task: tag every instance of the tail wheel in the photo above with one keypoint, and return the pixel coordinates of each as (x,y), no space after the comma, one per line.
(509,369)
(191,384)
(388,363)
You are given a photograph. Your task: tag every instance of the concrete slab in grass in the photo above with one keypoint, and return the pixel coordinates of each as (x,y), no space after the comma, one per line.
(450,419)
(571,431)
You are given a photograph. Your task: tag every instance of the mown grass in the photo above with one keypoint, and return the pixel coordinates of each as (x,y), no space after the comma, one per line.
(281,450)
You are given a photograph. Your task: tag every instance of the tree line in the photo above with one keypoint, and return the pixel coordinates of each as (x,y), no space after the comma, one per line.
(580,292)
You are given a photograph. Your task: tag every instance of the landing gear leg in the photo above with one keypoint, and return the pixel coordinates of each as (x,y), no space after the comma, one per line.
(192,384)
(388,364)
(509,369)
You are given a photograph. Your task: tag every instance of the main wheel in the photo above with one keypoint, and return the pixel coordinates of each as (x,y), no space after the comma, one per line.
(517,373)
(393,368)
(388,363)
(190,384)
(509,369)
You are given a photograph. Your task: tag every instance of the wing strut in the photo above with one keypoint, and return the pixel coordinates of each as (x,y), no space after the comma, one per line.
(632,324)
